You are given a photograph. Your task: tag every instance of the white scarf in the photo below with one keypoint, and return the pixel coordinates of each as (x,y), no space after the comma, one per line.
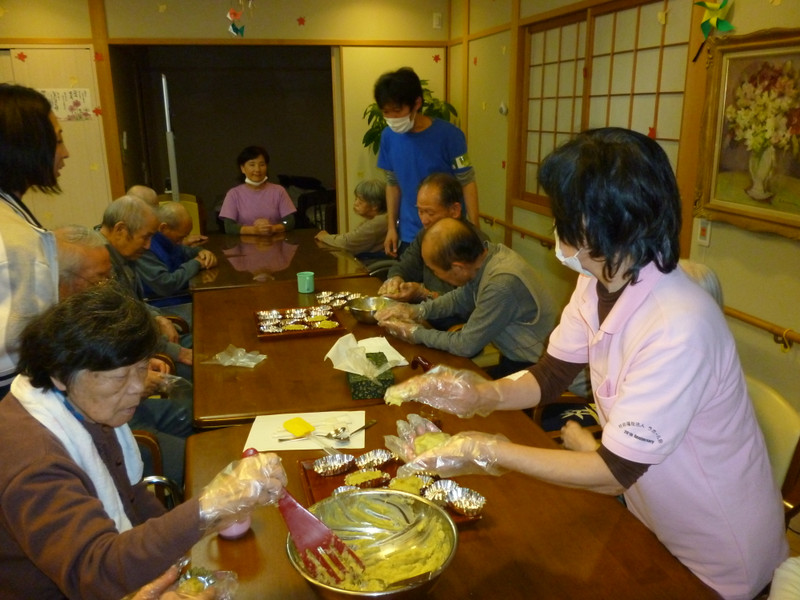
(48,408)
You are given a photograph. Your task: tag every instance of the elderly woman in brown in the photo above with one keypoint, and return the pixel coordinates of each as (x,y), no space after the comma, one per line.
(76,520)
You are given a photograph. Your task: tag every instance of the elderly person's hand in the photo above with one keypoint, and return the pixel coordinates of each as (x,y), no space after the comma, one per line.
(390,286)
(399,311)
(401,329)
(206,259)
(167,329)
(240,487)
(467,453)
(185,356)
(410,291)
(459,392)
(157,589)
(577,438)
(195,240)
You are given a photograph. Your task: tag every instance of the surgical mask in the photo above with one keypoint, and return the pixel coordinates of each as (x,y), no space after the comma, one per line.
(249,181)
(401,124)
(571,262)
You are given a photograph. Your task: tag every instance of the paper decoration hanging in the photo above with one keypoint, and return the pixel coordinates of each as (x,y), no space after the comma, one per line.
(21,56)
(70,104)
(714,17)
(301,21)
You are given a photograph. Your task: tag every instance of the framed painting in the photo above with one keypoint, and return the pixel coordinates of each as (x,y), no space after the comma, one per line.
(750,145)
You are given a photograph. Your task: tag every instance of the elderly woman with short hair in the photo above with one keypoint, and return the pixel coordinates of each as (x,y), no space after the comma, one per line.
(76,519)
(366,240)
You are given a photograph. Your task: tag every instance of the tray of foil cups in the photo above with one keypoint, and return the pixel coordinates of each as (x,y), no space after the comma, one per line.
(297,322)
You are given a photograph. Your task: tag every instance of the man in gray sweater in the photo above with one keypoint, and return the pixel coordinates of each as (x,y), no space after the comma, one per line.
(507,303)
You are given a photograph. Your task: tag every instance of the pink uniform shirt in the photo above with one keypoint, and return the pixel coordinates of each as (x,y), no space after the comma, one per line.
(244,204)
(670,393)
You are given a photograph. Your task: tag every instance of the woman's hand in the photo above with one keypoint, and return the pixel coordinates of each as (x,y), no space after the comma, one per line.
(459,392)
(467,453)
(577,438)
(157,589)
(241,486)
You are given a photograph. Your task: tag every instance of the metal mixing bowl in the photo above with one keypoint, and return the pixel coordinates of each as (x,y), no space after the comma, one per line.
(379,524)
(364,309)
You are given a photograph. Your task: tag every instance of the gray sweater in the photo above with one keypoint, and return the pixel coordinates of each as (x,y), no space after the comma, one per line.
(509,307)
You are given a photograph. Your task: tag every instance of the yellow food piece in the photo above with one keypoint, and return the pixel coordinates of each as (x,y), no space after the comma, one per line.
(362,477)
(295,327)
(327,324)
(411,484)
(298,427)
(316,318)
(428,441)
(191,586)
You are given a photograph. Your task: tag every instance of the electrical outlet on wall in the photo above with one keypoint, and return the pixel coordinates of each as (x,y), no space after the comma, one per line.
(704,232)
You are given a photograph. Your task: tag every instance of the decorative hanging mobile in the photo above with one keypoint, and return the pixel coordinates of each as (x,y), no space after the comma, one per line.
(236,28)
(714,18)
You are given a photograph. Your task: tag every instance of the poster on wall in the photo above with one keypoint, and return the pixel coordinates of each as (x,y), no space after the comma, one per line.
(751,141)
(70,104)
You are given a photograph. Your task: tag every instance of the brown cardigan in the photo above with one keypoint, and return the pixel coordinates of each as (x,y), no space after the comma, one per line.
(56,540)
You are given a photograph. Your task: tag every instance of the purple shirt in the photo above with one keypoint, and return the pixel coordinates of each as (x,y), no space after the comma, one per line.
(670,393)
(245,203)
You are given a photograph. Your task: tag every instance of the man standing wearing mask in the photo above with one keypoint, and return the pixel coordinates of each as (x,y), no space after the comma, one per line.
(412,147)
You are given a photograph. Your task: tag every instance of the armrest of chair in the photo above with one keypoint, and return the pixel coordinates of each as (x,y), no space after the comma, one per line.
(180,324)
(380,268)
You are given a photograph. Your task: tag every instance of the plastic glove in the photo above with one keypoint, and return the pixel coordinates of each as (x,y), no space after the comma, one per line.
(240,487)
(409,291)
(467,453)
(402,444)
(459,392)
(390,286)
(401,329)
(400,311)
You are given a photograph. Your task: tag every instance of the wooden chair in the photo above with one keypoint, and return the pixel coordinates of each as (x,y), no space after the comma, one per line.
(780,423)
(166,490)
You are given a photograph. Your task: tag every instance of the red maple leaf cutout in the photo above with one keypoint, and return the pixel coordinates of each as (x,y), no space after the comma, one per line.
(651,133)
(475,61)
(301,21)
(21,56)
(436,58)
(97,111)
(98,57)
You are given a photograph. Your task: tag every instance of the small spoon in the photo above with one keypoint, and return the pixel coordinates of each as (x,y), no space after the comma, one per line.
(345,437)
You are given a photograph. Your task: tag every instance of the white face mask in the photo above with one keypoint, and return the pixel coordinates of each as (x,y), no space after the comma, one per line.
(571,262)
(401,124)
(249,181)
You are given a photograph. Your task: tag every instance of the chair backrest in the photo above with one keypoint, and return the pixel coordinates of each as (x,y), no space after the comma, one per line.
(780,423)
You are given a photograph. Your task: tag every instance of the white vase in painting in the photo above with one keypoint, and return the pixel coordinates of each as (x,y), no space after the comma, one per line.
(762,166)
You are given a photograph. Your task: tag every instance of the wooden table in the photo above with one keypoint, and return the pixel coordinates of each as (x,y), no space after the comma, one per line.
(295,377)
(252,260)
(534,540)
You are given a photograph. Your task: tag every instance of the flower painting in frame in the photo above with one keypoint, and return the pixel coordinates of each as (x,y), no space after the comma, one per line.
(750,174)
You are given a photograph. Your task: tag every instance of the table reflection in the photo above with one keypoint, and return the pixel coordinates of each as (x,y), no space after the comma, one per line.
(261,255)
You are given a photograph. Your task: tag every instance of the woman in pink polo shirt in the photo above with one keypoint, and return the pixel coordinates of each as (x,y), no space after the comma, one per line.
(257,206)
(680,439)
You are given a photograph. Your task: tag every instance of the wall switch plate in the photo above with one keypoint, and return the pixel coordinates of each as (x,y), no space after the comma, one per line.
(704,232)
(437,20)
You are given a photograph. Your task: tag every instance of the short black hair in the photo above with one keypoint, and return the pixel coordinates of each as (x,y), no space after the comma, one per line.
(613,191)
(451,191)
(250,153)
(401,87)
(99,329)
(27,141)
(463,243)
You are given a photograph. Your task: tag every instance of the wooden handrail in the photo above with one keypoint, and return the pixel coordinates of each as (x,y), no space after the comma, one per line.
(784,336)
(545,241)
(781,335)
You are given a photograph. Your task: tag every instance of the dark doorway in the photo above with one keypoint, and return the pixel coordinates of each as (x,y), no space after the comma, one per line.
(223,98)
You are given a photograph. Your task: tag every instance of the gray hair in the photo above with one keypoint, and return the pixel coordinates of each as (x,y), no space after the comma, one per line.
(147,194)
(705,277)
(70,239)
(172,213)
(373,192)
(130,210)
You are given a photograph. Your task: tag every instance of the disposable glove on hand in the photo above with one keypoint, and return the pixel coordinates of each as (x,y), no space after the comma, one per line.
(240,487)
(459,392)
(401,329)
(402,444)
(467,453)
(390,286)
(399,311)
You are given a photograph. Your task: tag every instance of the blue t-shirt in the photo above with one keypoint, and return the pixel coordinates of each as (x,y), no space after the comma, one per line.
(441,148)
